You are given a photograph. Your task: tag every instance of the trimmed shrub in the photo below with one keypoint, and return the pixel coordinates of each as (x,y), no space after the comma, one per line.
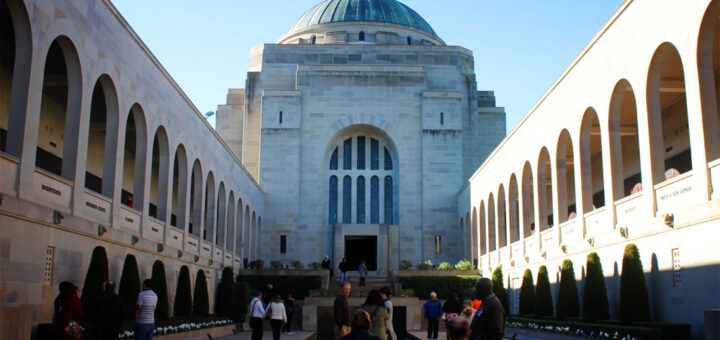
(183,298)
(225,296)
(499,287)
(405,265)
(129,285)
(464,265)
(314,266)
(527,294)
(444,286)
(243,296)
(97,273)
(445,266)
(259,264)
(298,285)
(595,301)
(297,265)
(568,305)
(159,286)
(200,297)
(275,264)
(425,265)
(543,295)
(634,305)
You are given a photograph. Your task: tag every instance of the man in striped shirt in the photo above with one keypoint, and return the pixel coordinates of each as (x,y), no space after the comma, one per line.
(145,312)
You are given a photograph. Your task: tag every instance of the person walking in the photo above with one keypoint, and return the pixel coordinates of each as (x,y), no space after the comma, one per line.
(70,314)
(375,306)
(109,313)
(362,271)
(289,310)
(360,327)
(145,312)
(62,295)
(489,321)
(385,293)
(257,313)
(341,312)
(326,264)
(343,266)
(278,318)
(433,312)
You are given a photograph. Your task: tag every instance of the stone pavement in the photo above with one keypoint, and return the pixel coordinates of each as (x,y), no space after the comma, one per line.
(267,335)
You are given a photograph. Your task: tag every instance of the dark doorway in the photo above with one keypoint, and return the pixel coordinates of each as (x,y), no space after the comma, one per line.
(358,248)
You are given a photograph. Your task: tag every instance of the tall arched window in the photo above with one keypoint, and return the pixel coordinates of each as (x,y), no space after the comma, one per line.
(332,199)
(361,161)
(360,200)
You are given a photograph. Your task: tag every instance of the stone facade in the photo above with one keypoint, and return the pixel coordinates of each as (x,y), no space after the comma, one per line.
(302,100)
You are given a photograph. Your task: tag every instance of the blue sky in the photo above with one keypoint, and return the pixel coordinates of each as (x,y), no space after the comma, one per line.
(520,46)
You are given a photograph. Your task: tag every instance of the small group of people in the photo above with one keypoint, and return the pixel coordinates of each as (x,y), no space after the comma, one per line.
(373,321)
(278,311)
(107,316)
(345,267)
(482,318)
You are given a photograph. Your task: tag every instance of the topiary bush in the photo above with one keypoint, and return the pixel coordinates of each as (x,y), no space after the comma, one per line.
(543,294)
(595,301)
(634,304)
(405,265)
(159,286)
(276,264)
(568,305)
(97,273)
(297,265)
(464,265)
(225,297)
(183,297)
(314,265)
(445,266)
(444,286)
(527,294)
(499,287)
(243,295)
(129,285)
(201,303)
(425,265)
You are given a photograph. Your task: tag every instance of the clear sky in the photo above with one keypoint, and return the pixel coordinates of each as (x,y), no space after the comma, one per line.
(520,46)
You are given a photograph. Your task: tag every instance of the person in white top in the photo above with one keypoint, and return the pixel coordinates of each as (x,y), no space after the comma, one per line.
(278,318)
(145,312)
(257,313)
(385,293)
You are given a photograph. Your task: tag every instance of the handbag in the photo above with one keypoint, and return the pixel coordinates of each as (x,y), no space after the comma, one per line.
(74,329)
(268,313)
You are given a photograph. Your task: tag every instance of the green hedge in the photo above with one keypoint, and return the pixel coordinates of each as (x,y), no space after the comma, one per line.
(568,305)
(225,296)
(243,295)
(595,301)
(444,286)
(129,285)
(634,303)
(499,287)
(159,286)
(183,295)
(543,295)
(299,286)
(585,329)
(201,302)
(97,273)
(527,294)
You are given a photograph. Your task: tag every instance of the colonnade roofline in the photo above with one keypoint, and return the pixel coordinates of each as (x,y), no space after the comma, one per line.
(552,87)
(177,87)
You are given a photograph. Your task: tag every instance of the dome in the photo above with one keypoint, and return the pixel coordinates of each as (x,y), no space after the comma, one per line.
(384,11)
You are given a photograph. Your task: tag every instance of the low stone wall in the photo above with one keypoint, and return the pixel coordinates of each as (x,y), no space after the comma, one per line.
(432,272)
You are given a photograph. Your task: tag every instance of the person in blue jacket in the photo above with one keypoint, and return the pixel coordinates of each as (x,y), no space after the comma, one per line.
(433,312)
